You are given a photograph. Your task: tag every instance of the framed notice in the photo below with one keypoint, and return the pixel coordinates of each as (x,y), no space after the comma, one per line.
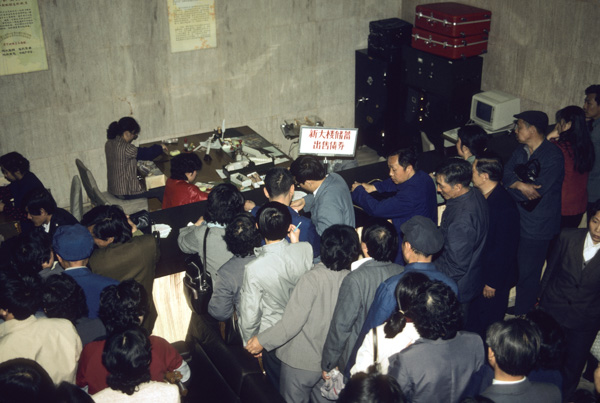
(22,47)
(327,141)
(192,24)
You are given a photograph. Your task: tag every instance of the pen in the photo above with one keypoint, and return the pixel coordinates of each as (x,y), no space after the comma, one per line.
(297,226)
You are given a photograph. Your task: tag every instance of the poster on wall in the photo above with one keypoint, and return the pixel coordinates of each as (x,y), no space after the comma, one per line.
(192,25)
(22,47)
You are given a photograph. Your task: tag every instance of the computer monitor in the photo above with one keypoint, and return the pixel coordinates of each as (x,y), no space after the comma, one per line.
(494,110)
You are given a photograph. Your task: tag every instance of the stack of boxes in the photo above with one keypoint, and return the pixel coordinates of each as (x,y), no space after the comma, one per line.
(451,30)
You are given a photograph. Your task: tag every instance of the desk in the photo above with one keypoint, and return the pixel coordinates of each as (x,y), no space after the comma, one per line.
(219,157)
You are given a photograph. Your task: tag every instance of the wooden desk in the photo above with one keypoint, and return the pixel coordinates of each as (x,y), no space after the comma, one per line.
(219,157)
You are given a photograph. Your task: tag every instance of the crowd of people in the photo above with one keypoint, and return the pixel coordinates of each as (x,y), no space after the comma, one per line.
(410,308)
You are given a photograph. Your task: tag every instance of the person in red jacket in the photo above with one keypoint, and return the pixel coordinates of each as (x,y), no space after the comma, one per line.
(180,189)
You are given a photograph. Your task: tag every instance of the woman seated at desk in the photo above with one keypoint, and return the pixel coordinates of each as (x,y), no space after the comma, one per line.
(122,157)
(180,188)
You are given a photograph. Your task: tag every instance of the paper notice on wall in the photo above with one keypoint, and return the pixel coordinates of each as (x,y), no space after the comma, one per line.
(192,24)
(22,47)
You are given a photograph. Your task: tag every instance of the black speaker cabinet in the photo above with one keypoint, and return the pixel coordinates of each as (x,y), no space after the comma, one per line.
(445,77)
(380,97)
(439,91)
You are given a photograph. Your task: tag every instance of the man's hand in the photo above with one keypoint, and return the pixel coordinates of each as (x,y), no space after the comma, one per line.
(131,224)
(489,292)
(298,204)
(368,187)
(249,205)
(294,233)
(325,375)
(165,148)
(528,189)
(253,346)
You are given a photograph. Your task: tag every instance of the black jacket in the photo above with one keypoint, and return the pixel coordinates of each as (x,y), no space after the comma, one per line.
(465,225)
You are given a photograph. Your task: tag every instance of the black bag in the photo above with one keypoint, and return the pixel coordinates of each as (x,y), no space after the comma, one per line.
(528,173)
(197,283)
(142,221)
(232,334)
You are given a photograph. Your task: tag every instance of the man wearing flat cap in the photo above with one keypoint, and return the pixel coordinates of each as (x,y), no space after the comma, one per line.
(73,245)
(533,176)
(421,240)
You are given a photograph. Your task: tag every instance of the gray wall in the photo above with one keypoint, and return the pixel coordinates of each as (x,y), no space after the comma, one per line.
(274,59)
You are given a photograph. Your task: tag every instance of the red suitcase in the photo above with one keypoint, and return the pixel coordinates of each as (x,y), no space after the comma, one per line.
(446,46)
(453,19)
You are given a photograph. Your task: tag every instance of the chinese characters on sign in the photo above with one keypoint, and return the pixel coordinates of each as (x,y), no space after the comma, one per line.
(327,141)
(192,24)
(22,47)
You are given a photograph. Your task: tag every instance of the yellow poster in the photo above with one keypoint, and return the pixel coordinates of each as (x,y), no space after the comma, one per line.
(192,24)
(21,38)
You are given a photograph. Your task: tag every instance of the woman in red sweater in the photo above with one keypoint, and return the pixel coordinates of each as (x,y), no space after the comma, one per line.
(572,136)
(180,188)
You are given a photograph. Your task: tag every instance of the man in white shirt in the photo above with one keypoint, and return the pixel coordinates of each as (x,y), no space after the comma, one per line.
(513,349)
(571,293)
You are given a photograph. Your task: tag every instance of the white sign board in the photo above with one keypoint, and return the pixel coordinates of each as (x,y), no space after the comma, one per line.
(327,141)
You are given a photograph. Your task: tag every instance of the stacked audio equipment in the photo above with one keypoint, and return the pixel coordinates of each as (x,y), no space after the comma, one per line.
(380,90)
(401,91)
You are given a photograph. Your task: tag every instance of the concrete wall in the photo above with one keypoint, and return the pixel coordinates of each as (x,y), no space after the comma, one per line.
(274,59)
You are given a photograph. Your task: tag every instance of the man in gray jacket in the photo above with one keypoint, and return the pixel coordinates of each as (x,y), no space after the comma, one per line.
(270,278)
(380,243)
(300,335)
(514,346)
(329,201)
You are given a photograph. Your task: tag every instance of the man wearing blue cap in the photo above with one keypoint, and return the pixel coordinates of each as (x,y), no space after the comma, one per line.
(421,240)
(533,176)
(73,245)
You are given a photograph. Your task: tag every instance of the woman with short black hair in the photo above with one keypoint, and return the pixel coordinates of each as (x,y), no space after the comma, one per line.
(127,357)
(224,202)
(180,188)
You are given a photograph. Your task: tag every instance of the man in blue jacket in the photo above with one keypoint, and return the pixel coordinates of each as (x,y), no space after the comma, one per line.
(538,196)
(414,194)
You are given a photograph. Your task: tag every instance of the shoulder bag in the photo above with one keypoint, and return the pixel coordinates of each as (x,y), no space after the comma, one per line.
(197,283)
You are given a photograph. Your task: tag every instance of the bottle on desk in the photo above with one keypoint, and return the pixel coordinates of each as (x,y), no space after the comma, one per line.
(186,147)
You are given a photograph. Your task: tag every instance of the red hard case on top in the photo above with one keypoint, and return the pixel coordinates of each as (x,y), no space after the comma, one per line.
(453,19)
(446,46)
